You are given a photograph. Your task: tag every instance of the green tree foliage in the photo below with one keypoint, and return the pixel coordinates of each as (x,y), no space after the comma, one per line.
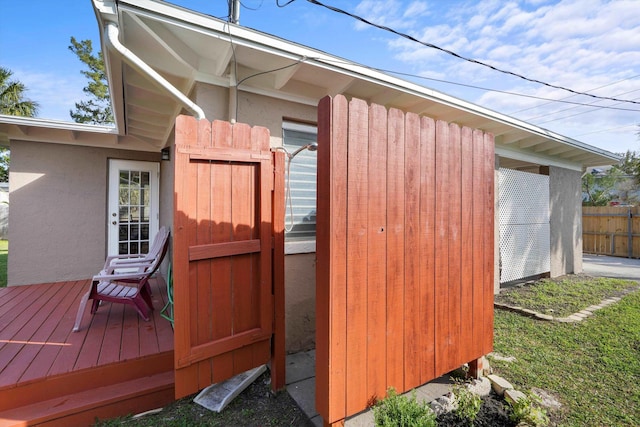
(4,164)
(630,164)
(13,103)
(96,110)
(12,100)
(600,188)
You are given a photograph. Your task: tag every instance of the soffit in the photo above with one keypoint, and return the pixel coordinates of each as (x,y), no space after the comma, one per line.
(186,47)
(13,128)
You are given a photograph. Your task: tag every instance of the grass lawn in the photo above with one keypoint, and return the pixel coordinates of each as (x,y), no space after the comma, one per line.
(592,367)
(563,296)
(4,253)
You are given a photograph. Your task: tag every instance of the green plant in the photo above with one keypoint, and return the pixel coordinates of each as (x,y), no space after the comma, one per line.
(527,410)
(402,411)
(468,402)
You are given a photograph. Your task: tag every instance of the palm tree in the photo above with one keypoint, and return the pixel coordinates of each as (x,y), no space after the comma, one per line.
(12,100)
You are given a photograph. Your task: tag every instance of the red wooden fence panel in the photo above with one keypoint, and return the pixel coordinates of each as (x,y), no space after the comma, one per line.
(222,252)
(404,252)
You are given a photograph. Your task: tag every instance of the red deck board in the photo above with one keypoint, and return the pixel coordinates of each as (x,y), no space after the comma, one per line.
(12,298)
(41,363)
(39,331)
(47,346)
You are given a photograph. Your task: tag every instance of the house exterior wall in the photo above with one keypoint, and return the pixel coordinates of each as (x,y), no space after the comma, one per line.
(565,193)
(496,228)
(300,278)
(166,201)
(58,210)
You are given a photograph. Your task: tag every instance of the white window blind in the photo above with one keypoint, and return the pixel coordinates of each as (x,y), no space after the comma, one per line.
(300,216)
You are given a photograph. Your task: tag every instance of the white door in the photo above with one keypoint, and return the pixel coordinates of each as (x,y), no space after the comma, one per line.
(133,206)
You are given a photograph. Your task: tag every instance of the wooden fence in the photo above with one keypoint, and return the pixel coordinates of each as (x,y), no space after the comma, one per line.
(611,230)
(228,253)
(405,242)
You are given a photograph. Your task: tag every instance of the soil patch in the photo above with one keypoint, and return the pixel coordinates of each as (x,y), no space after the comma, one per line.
(494,412)
(256,406)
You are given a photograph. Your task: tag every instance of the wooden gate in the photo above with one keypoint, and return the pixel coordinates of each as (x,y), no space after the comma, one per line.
(405,252)
(222,251)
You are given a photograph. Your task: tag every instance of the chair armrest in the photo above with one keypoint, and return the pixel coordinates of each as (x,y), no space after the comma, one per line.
(131,268)
(120,276)
(123,259)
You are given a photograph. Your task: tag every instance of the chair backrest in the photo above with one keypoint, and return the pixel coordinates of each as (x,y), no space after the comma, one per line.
(163,242)
(158,242)
(147,264)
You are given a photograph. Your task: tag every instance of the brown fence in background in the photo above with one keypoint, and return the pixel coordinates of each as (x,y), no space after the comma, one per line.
(611,230)
(405,241)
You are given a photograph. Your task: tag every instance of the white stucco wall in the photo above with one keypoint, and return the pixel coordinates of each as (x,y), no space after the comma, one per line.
(565,194)
(58,210)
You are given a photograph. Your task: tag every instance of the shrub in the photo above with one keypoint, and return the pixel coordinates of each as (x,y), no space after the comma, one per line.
(468,402)
(527,410)
(402,411)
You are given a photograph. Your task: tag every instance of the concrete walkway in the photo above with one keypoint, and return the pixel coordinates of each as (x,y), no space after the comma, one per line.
(608,266)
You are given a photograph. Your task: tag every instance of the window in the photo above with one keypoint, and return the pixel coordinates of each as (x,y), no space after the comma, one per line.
(300,181)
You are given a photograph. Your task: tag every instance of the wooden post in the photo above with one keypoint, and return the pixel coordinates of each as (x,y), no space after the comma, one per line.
(478,367)
(278,356)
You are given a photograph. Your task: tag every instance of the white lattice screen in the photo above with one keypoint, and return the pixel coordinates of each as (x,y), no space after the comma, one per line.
(524,224)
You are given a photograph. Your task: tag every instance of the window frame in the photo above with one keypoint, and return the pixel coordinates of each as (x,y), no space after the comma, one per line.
(306,244)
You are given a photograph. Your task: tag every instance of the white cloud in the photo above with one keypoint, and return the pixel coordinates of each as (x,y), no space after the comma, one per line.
(55,94)
(391,13)
(579,44)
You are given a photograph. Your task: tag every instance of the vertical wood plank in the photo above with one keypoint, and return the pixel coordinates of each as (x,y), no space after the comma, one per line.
(186,130)
(442,246)
(455,202)
(467,254)
(263,263)
(427,248)
(278,352)
(489,239)
(243,198)
(411,314)
(331,273)
(203,232)
(338,265)
(323,260)
(395,248)
(357,192)
(221,267)
(478,243)
(376,253)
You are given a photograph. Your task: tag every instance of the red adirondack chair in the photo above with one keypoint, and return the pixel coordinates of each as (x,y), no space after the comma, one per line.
(125,280)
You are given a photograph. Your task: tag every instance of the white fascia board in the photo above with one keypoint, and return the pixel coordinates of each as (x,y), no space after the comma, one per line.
(107,11)
(57,124)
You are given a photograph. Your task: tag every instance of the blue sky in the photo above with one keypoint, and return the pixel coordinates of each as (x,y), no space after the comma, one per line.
(587,45)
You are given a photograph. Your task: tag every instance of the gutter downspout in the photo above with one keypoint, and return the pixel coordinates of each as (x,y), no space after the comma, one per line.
(112,32)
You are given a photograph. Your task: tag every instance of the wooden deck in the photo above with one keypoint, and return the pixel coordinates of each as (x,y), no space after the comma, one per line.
(116,364)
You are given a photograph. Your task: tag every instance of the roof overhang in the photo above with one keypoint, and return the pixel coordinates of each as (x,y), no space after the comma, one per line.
(14,128)
(184,47)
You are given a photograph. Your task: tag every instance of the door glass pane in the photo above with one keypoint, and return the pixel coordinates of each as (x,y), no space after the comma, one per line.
(124,214)
(134,198)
